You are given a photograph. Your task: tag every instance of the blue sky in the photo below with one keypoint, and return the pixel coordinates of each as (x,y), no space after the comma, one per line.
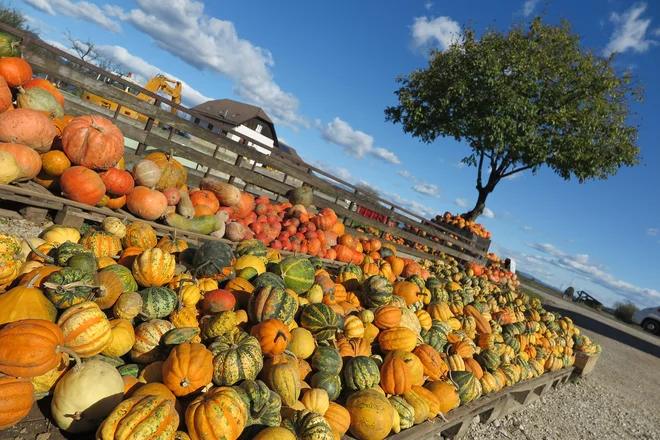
(326,72)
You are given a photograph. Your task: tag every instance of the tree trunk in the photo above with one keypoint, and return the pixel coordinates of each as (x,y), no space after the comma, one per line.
(479,206)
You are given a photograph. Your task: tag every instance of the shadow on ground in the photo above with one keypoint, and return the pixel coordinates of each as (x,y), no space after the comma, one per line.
(606,330)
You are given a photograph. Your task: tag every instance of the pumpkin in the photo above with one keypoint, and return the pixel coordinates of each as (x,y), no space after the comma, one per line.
(46,343)
(16,71)
(361,372)
(386,317)
(469,388)
(283,378)
(5,94)
(60,234)
(273,336)
(68,287)
(218,413)
(433,365)
(320,320)
(140,416)
(44,384)
(331,383)
(26,302)
(482,325)
(207,198)
(446,394)
(93,142)
(85,328)
(172,244)
(399,338)
(153,267)
(139,234)
(473,366)
(414,364)
(146,348)
(41,100)
(353,327)
(28,160)
(218,300)
(17,399)
(45,85)
(301,343)
(158,302)
(316,400)
(371,415)
(117,182)
(275,433)
(173,174)
(82,185)
(377,290)
(395,377)
(27,127)
(264,405)
(86,395)
(236,357)
(121,340)
(146,203)
(146,173)
(114,226)
(297,273)
(309,424)
(338,417)
(272,302)
(101,243)
(187,369)
(419,405)
(213,259)
(9,168)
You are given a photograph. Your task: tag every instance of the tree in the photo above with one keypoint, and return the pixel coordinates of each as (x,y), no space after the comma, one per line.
(13,17)
(521,100)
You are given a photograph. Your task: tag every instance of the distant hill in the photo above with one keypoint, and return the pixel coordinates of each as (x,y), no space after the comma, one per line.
(526,276)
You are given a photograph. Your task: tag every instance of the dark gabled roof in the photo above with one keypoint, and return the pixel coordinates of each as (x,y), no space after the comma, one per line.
(231,111)
(284,148)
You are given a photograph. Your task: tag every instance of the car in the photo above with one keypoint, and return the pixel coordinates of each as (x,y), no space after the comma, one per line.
(649,319)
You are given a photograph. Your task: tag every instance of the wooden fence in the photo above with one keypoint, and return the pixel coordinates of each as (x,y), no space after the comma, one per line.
(216,155)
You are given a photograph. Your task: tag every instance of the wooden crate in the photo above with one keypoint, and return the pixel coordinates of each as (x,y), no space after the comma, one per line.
(585,364)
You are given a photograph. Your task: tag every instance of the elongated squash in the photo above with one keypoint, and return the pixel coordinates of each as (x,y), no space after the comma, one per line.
(204,224)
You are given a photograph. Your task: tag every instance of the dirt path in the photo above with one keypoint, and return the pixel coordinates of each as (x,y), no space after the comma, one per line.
(620,400)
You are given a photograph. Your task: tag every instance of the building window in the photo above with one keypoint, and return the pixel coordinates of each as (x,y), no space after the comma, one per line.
(259,127)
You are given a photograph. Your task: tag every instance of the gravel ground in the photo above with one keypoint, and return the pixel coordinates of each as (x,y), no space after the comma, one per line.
(619,400)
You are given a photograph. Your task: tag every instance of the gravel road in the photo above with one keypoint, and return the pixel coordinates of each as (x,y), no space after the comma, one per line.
(619,400)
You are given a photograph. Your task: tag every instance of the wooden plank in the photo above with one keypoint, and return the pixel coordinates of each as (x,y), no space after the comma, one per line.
(584,364)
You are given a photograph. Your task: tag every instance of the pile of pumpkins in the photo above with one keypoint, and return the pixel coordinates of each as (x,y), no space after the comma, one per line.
(459,222)
(129,336)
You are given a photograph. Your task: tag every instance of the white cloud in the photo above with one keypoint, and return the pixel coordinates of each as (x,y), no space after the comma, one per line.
(428,189)
(81,10)
(528,7)
(459,165)
(428,5)
(406,175)
(657,32)
(145,70)
(181,28)
(368,187)
(438,32)
(579,264)
(42,27)
(461,202)
(653,231)
(488,213)
(354,142)
(42,5)
(528,228)
(630,31)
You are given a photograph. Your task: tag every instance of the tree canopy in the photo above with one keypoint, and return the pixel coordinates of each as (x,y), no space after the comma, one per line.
(522,99)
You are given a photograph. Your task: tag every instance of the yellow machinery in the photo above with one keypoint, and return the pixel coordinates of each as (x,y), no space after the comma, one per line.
(158,83)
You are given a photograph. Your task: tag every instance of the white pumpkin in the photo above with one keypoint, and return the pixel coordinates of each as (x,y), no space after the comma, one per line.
(9,169)
(86,395)
(114,226)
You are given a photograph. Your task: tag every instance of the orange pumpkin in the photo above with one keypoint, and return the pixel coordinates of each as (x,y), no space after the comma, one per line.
(116,202)
(17,399)
(5,96)
(146,203)
(406,290)
(55,162)
(117,182)
(82,185)
(205,198)
(273,336)
(201,210)
(387,317)
(28,127)
(188,368)
(93,142)
(434,366)
(16,71)
(396,263)
(395,377)
(173,174)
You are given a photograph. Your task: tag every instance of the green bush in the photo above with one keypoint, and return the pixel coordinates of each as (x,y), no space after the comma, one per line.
(625,311)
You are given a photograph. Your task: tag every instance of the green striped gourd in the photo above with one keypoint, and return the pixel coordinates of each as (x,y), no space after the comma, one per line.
(331,383)
(236,357)
(361,372)
(405,410)
(469,388)
(321,320)
(297,273)
(326,360)
(272,302)
(158,302)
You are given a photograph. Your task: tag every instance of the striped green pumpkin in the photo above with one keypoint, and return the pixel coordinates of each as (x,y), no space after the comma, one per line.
(331,383)
(252,246)
(536,368)
(264,406)
(352,269)
(361,372)
(129,370)
(500,378)
(488,383)
(179,336)
(297,273)
(326,360)
(405,410)
(268,279)
(509,371)
(158,302)
(125,275)
(236,357)
(525,372)
(512,342)
(377,291)
(417,280)
(306,424)
(469,388)
(320,320)
(489,359)
(272,302)
(68,287)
